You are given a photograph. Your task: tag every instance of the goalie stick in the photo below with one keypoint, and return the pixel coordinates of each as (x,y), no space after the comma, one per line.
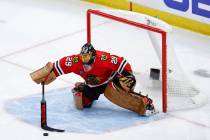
(44,114)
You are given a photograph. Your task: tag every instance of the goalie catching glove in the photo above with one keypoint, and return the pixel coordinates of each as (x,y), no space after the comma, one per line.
(126,83)
(44,75)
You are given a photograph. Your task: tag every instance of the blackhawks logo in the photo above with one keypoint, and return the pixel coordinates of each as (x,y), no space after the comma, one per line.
(92,79)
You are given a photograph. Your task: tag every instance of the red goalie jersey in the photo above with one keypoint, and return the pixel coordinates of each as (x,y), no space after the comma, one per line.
(104,68)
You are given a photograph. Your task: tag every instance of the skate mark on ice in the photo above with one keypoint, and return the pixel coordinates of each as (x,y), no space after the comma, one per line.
(2,21)
(203,73)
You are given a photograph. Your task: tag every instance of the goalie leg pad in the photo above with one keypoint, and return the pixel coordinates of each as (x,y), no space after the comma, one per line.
(78,100)
(125,99)
(81,101)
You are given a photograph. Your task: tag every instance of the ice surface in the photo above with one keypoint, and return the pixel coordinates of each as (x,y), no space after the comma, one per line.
(33,32)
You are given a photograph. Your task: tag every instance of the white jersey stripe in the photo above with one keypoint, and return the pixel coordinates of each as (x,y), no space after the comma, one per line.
(122,66)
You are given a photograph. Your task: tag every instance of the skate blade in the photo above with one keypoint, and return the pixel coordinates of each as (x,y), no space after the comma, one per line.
(151,112)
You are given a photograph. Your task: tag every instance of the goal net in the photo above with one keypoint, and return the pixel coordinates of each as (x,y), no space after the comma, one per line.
(146,43)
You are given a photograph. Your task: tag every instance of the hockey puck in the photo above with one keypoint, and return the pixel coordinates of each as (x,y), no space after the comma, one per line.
(45,134)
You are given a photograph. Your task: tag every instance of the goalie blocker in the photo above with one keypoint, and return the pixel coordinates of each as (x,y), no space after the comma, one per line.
(44,75)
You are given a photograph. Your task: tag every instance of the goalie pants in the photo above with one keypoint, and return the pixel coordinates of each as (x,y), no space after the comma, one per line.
(91,93)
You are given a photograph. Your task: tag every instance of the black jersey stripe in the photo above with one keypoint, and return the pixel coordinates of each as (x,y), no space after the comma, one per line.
(122,66)
(58,68)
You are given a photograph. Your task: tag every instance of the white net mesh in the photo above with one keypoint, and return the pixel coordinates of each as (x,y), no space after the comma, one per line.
(178,83)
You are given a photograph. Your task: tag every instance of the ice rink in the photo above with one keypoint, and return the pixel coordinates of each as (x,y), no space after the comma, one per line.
(33,32)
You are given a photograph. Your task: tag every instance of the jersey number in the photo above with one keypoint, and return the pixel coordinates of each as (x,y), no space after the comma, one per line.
(68,61)
(114,60)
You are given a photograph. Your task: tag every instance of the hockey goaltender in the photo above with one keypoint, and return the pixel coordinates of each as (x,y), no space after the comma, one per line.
(102,73)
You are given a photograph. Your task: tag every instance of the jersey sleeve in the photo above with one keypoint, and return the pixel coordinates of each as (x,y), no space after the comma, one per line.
(65,65)
(119,64)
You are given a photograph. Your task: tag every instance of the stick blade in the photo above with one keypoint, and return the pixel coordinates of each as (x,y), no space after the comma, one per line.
(46,127)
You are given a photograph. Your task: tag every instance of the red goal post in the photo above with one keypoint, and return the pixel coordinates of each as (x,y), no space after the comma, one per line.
(141,26)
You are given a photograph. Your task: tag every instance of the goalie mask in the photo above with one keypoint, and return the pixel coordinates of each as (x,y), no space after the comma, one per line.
(87,54)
